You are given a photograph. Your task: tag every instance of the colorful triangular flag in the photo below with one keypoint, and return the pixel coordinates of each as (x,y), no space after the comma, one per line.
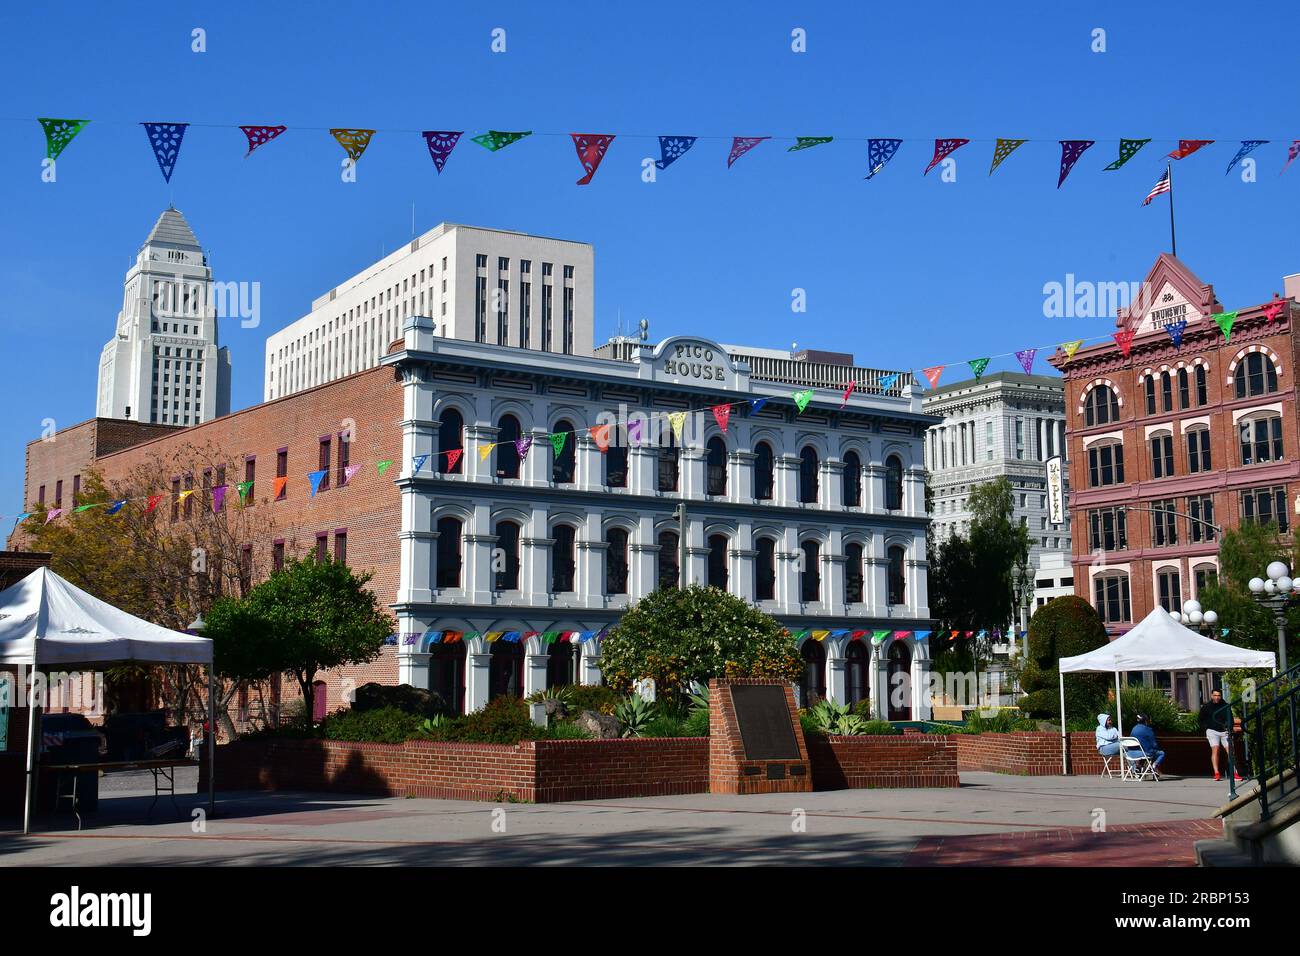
(887,381)
(600,435)
(80,508)
(1292,152)
(677,420)
(522,445)
(1188,146)
(802,398)
(1127,150)
(153,502)
(978,366)
(1070,348)
(383,466)
(673,148)
(315,477)
(1026,359)
(591,149)
(1224,321)
(756,404)
(218,498)
(353,141)
(1273,310)
(722,415)
(1247,145)
(557,441)
(1175,330)
(879,153)
(115,507)
(244,487)
(494,139)
(453,458)
(932,374)
(740,145)
(943,148)
(417,463)
(441,142)
(278,486)
(260,136)
(1071,150)
(165,138)
(807,142)
(52,514)
(1004,148)
(1124,340)
(848,390)
(59,133)
(349,471)
(484,450)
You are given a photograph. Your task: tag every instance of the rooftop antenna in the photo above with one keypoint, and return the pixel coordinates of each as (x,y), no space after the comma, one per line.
(412,220)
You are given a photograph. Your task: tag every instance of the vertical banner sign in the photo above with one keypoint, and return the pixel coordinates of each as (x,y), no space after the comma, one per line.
(1055,490)
(441,143)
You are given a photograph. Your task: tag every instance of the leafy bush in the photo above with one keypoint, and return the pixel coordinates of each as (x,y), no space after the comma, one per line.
(562,693)
(679,637)
(386,725)
(1155,704)
(595,697)
(505,720)
(697,723)
(938,727)
(1004,721)
(863,709)
(832,718)
(878,728)
(564,730)
(634,712)
(666,725)
(1063,627)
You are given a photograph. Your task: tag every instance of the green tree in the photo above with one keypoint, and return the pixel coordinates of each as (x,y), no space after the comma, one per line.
(312,616)
(1063,627)
(1244,553)
(677,637)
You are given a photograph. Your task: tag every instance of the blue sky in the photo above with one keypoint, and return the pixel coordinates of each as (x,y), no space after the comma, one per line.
(904,271)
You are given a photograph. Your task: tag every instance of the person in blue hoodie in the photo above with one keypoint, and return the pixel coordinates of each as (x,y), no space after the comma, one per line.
(1146,736)
(1107,736)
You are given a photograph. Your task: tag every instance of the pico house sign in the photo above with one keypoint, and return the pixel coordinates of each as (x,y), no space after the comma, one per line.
(693,360)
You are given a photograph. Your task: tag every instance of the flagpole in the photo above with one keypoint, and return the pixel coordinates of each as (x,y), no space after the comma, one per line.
(1173,237)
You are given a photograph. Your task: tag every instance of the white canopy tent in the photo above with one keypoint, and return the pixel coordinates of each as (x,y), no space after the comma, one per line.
(1156,643)
(46,623)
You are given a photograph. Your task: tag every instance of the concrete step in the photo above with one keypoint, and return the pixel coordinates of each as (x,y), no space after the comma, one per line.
(1220,854)
(1248,840)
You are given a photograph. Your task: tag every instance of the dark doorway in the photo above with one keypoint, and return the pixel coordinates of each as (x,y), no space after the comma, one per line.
(900,688)
(506,669)
(447,674)
(857,666)
(812,686)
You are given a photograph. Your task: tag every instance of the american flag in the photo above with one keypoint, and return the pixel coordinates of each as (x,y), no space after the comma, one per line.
(1161,186)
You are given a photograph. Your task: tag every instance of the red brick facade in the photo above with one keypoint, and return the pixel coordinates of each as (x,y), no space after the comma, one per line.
(1173,395)
(730,771)
(870,762)
(1039,754)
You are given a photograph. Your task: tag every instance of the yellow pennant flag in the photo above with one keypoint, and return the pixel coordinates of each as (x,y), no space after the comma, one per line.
(1071,348)
(677,419)
(185,494)
(484,451)
(819,635)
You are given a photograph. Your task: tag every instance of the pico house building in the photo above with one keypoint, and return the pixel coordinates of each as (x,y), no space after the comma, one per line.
(542,495)
(1193,430)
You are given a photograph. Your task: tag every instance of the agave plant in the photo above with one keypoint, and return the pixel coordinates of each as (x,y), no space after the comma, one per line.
(432,724)
(634,712)
(561,692)
(836,719)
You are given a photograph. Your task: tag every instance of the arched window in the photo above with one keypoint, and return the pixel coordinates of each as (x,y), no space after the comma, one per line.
(563,463)
(718,561)
(562,563)
(616,561)
(561,664)
(506,669)
(669,566)
(897,581)
(1184,389)
(1101,406)
(449,562)
(1151,394)
(899,677)
(1255,375)
(716,467)
(616,459)
(765,570)
(506,559)
(853,576)
(812,685)
(506,451)
(852,479)
(451,436)
(1166,391)
(764,471)
(668,465)
(1202,390)
(810,575)
(1110,596)
(893,483)
(857,682)
(808,467)
(447,673)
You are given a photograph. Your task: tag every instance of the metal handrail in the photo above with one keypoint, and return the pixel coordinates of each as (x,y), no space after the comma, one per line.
(1273,714)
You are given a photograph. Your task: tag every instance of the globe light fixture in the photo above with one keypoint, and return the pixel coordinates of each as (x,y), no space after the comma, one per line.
(1275,593)
(1256,585)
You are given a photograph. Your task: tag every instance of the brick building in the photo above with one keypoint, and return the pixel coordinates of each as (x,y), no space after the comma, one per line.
(1174,441)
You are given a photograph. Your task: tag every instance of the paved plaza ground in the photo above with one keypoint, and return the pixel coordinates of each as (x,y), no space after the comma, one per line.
(992,819)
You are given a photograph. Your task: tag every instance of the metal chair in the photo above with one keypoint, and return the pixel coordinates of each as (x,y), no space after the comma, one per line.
(1137,765)
(1106,769)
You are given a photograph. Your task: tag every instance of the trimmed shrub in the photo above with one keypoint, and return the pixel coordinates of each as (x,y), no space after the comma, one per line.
(878,728)
(1063,627)
(385,725)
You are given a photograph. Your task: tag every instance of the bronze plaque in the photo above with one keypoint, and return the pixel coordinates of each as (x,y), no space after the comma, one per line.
(764,718)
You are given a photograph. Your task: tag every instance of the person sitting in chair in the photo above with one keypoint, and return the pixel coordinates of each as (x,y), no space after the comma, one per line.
(1107,736)
(1146,736)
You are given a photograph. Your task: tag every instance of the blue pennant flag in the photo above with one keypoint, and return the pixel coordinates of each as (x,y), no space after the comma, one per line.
(418,462)
(435,637)
(115,507)
(315,478)
(410,637)
(165,138)
(511,636)
(1225,632)
(887,381)
(21,518)
(1246,146)
(755,404)
(673,148)
(981,634)
(880,152)
(921,635)
(840,633)
(1175,330)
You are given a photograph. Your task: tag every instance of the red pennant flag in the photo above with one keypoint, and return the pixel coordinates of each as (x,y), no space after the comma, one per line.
(1273,310)
(153,502)
(970,633)
(591,149)
(722,413)
(932,375)
(844,400)
(1188,146)
(453,456)
(260,135)
(942,149)
(600,435)
(1125,341)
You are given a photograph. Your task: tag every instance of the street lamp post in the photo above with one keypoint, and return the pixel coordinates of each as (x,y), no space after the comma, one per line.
(1275,594)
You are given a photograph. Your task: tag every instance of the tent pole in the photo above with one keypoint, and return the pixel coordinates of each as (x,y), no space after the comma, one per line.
(1119,708)
(1065,744)
(212,737)
(33,730)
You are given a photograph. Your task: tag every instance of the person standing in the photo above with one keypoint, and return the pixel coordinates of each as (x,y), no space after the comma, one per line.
(1216,722)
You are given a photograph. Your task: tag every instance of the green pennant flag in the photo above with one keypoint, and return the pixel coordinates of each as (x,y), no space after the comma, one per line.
(978,366)
(244,487)
(495,139)
(59,133)
(78,510)
(803,398)
(1003,149)
(878,637)
(383,466)
(550,636)
(807,142)
(1127,150)
(1224,320)
(558,440)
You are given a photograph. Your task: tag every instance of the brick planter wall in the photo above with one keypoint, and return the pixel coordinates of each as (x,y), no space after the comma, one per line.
(1039,754)
(603,769)
(909,760)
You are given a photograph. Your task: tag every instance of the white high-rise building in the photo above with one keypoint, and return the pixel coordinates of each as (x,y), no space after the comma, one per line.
(164,364)
(479,285)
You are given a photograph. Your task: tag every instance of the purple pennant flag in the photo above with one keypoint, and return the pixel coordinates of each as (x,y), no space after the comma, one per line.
(1026,359)
(1175,330)
(634,431)
(218,497)
(522,445)
(165,138)
(1071,150)
(441,143)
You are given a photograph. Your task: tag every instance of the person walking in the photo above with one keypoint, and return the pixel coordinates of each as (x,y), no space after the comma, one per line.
(1216,722)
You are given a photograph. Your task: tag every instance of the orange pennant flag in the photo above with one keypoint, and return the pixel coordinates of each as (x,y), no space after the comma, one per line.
(600,434)
(277,488)
(932,374)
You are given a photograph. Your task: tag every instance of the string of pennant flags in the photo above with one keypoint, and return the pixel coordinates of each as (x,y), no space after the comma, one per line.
(601,434)
(165,140)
